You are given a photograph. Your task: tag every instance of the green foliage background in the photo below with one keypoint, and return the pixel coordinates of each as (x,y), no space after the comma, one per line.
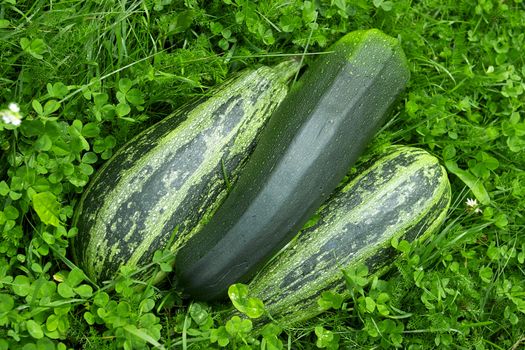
(88,75)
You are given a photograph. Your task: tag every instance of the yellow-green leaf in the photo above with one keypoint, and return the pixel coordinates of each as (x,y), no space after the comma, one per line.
(47,208)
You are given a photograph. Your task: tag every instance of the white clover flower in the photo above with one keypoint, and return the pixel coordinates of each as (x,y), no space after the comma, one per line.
(11,119)
(13,107)
(11,115)
(472,205)
(15,121)
(5,117)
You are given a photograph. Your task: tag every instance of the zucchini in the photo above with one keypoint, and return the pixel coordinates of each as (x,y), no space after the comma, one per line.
(403,195)
(310,142)
(172,174)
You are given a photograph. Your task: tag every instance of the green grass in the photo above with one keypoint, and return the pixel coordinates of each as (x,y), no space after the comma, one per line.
(68,63)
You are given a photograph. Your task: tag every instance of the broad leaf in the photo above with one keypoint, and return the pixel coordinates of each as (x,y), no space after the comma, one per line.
(47,208)
(475,184)
(252,307)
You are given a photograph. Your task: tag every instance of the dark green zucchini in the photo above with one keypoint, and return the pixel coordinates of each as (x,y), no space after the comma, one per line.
(403,195)
(310,142)
(172,174)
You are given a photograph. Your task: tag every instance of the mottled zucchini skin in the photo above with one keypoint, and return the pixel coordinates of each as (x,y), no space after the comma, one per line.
(171,174)
(403,195)
(310,142)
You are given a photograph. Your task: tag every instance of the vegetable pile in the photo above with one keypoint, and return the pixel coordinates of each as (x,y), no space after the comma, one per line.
(169,187)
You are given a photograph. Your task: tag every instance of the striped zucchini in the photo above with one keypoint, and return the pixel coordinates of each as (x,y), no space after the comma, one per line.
(172,174)
(403,195)
(312,139)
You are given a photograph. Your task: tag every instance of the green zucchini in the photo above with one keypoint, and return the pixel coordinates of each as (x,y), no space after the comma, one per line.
(310,142)
(172,174)
(403,195)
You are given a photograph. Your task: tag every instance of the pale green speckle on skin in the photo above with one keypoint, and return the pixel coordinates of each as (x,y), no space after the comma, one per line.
(216,143)
(297,299)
